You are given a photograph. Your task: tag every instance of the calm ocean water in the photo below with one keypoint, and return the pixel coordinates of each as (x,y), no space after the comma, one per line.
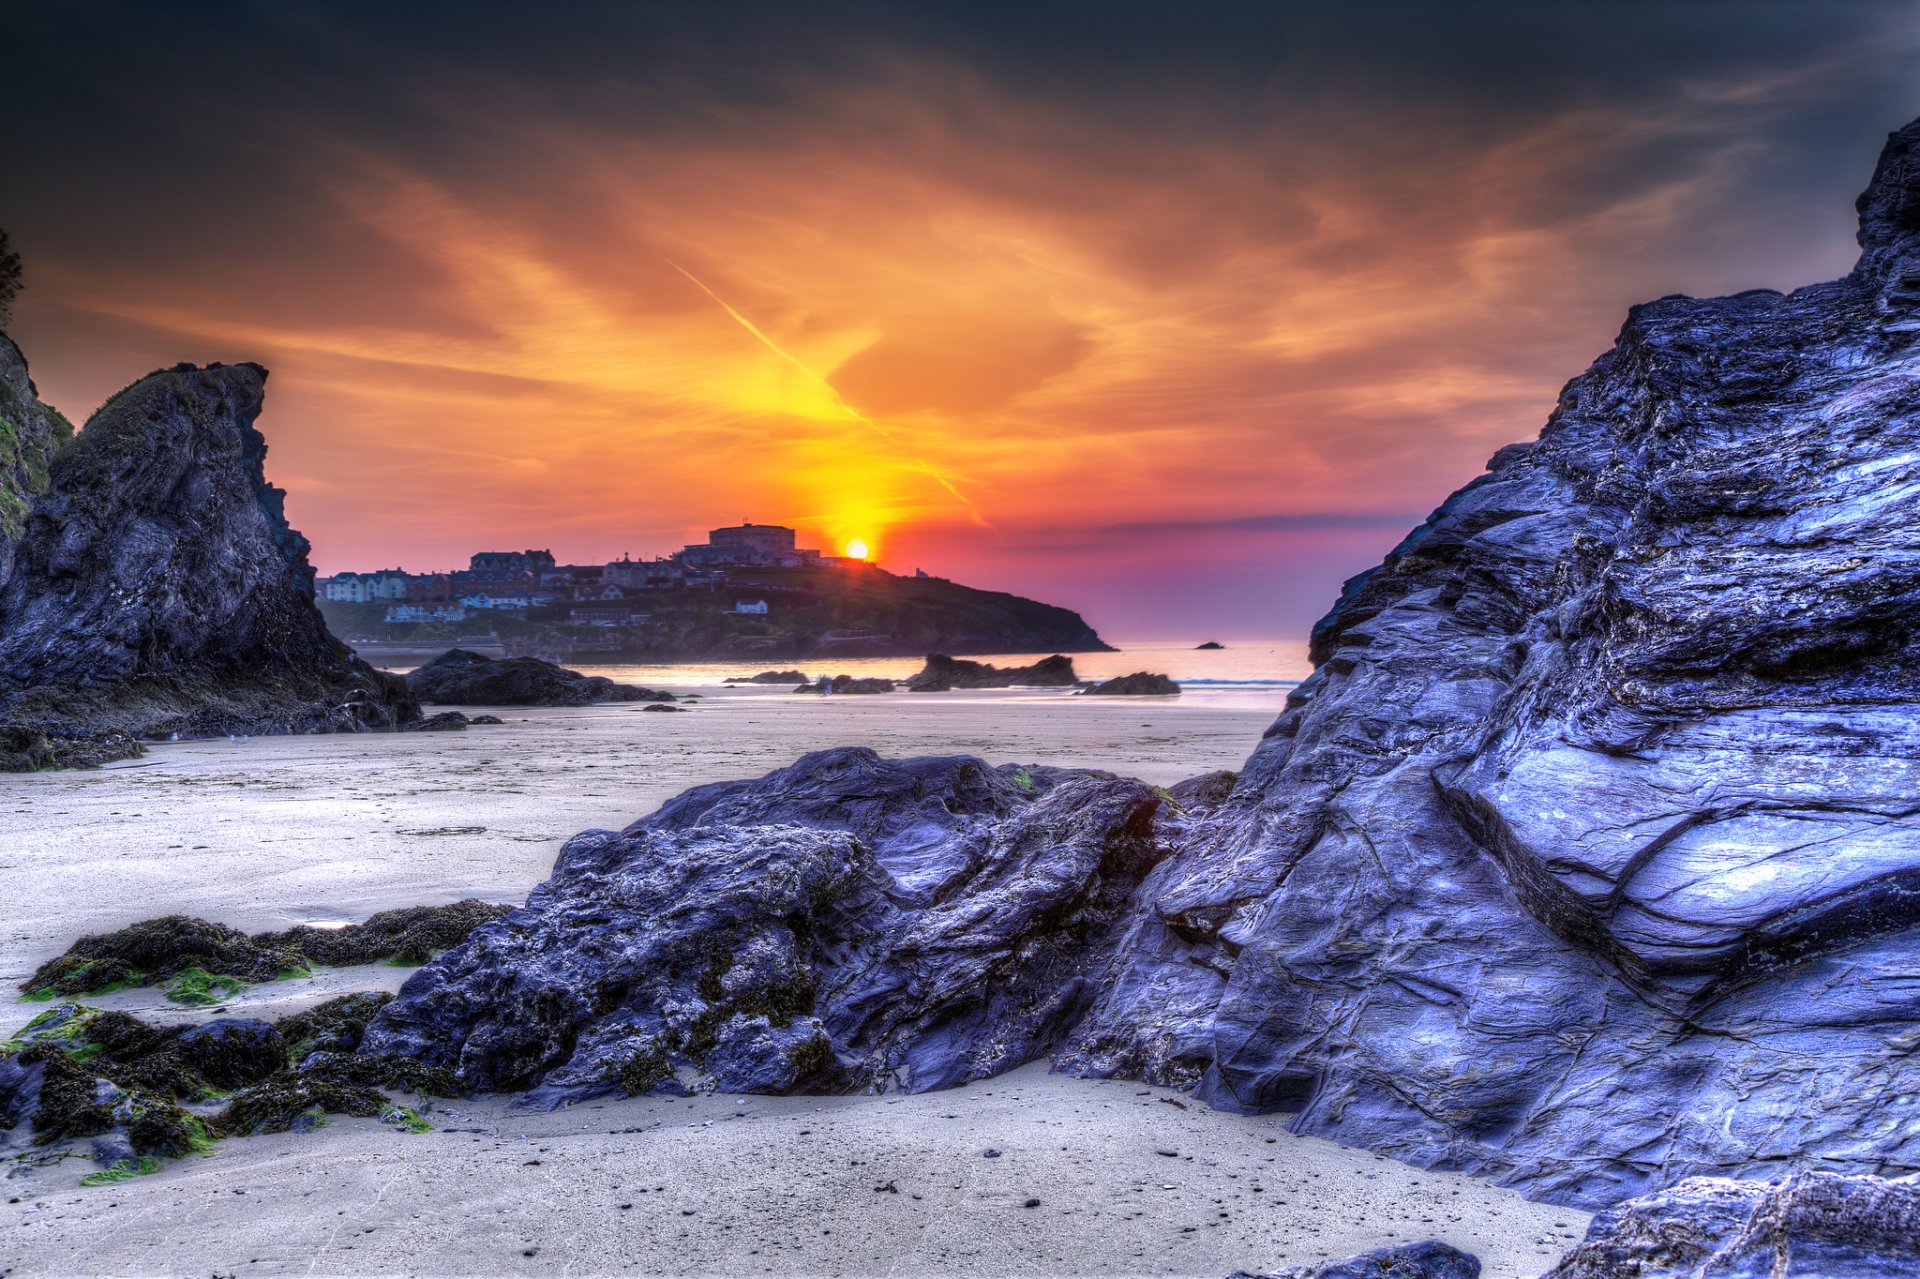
(1246,673)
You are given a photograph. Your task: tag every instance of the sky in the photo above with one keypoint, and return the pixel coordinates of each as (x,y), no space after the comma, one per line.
(1175,314)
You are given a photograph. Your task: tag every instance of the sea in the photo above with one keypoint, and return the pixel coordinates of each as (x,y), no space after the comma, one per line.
(1248,673)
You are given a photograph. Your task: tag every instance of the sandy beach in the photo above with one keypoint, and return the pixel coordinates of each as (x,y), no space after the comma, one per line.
(272,831)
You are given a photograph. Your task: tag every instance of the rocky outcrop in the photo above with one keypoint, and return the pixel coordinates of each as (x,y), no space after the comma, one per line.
(788,678)
(1588,858)
(1427,1260)
(848,684)
(30,433)
(1138,684)
(158,589)
(464,678)
(845,923)
(1811,1226)
(943,673)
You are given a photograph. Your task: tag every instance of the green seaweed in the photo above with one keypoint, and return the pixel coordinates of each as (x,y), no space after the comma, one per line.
(196,987)
(123,1170)
(406,1118)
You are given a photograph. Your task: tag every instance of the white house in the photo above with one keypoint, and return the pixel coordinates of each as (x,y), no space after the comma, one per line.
(426,613)
(751,606)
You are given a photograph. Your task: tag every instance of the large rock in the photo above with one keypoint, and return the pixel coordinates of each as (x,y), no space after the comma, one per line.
(845,923)
(461,677)
(1811,1226)
(942,673)
(1429,1259)
(158,588)
(1138,684)
(30,434)
(1588,856)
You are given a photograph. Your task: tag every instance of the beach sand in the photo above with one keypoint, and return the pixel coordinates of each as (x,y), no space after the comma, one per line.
(273,831)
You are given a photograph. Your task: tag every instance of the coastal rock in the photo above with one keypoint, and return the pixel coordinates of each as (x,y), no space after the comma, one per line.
(1811,1226)
(942,673)
(157,588)
(465,678)
(848,684)
(1209,646)
(845,923)
(30,434)
(1138,684)
(770,677)
(1427,1260)
(1587,857)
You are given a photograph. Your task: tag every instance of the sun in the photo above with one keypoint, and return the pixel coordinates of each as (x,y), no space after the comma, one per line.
(856,549)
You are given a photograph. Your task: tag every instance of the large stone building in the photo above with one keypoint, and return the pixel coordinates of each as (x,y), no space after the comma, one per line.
(748,545)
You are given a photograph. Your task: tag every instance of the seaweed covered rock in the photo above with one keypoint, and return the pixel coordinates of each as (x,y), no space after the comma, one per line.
(156,950)
(158,590)
(1809,1226)
(844,923)
(28,750)
(1429,1259)
(462,677)
(135,1090)
(770,677)
(848,684)
(1138,684)
(942,673)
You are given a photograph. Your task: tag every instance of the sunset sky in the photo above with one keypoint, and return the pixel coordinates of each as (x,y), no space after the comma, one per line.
(1175,314)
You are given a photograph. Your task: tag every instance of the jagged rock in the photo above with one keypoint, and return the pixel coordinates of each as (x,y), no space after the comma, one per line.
(1587,856)
(1428,1260)
(843,923)
(157,588)
(942,673)
(30,434)
(1209,646)
(770,677)
(1138,684)
(462,677)
(1811,1226)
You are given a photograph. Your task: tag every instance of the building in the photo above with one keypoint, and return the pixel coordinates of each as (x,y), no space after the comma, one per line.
(603,615)
(515,603)
(747,546)
(534,562)
(644,575)
(751,606)
(364,588)
(426,613)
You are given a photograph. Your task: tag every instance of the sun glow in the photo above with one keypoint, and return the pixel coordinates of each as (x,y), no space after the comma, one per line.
(856,549)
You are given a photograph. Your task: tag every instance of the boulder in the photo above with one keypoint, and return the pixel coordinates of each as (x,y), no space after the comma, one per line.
(158,590)
(1814,1225)
(848,684)
(1138,684)
(465,678)
(1209,646)
(770,677)
(1430,1259)
(845,923)
(942,673)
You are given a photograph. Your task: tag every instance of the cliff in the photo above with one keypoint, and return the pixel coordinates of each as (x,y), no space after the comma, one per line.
(158,589)
(30,434)
(1588,858)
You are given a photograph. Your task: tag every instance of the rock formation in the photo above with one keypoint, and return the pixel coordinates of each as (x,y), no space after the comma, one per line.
(848,684)
(158,589)
(464,678)
(1587,859)
(1810,1226)
(788,678)
(30,434)
(942,673)
(1138,684)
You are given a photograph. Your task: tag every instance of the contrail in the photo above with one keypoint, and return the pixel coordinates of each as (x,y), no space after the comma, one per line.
(925,467)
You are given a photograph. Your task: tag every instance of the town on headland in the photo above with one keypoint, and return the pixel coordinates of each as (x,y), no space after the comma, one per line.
(748,590)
